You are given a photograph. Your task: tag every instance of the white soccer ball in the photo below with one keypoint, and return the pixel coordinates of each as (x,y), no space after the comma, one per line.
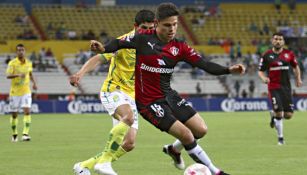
(197,169)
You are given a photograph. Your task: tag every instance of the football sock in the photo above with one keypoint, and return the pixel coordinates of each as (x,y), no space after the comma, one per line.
(177,145)
(26,124)
(118,153)
(14,123)
(200,156)
(279,126)
(91,161)
(116,138)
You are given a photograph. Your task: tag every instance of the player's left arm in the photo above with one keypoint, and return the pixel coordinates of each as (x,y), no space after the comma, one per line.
(296,70)
(192,57)
(34,86)
(297,73)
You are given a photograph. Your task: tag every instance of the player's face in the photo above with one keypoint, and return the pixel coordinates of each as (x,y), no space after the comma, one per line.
(21,51)
(167,28)
(278,41)
(146,26)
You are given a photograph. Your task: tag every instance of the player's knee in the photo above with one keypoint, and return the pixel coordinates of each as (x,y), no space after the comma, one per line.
(202,131)
(187,136)
(128,145)
(128,118)
(288,115)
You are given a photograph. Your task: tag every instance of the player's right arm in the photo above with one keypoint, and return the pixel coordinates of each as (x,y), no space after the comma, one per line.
(90,65)
(11,74)
(262,69)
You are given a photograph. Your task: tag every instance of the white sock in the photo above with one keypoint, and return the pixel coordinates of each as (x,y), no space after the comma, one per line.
(279,127)
(177,145)
(198,153)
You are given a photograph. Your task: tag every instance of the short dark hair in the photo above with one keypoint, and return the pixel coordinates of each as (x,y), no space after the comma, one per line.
(278,34)
(144,16)
(19,45)
(166,10)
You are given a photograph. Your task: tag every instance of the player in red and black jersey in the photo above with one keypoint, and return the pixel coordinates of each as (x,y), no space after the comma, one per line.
(157,53)
(277,62)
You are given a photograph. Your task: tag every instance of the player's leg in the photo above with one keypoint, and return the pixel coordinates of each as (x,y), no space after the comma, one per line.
(26,102)
(278,114)
(14,106)
(160,115)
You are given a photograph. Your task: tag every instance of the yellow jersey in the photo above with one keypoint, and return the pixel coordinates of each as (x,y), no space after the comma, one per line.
(121,70)
(19,86)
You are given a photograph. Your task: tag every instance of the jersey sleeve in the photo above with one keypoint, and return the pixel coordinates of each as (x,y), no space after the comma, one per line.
(189,55)
(108,56)
(31,67)
(293,60)
(263,65)
(127,42)
(10,68)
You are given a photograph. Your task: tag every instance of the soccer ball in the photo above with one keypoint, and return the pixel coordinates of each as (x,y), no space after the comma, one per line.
(197,169)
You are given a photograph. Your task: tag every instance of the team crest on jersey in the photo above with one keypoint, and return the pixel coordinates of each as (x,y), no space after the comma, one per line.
(174,50)
(272,56)
(161,62)
(286,55)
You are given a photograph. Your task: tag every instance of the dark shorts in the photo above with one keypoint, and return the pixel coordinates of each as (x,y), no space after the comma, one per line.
(281,100)
(163,113)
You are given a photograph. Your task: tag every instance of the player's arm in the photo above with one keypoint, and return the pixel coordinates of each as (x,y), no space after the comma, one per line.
(10,73)
(195,59)
(127,42)
(89,65)
(33,81)
(263,77)
(262,68)
(297,73)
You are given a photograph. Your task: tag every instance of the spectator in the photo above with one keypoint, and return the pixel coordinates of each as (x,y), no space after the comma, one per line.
(198,88)
(266,29)
(277,4)
(292,5)
(237,87)
(8,59)
(253,27)
(251,88)
(244,93)
(238,50)
(49,53)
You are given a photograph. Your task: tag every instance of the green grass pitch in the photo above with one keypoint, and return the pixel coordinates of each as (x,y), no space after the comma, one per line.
(241,143)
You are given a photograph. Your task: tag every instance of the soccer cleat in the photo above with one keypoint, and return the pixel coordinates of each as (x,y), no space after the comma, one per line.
(178,161)
(14,138)
(25,137)
(222,173)
(79,170)
(104,168)
(272,122)
(281,141)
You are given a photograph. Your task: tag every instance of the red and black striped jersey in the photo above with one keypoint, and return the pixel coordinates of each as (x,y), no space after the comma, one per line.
(278,66)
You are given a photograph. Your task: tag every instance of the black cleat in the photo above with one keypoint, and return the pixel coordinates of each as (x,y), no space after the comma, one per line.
(281,141)
(272,122)
(178,161)
(222,173)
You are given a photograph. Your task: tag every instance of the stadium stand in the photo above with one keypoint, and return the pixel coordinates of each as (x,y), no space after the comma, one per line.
(15,23)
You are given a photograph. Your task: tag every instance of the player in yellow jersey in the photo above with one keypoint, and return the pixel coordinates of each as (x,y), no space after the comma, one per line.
(117,96)
(20,71)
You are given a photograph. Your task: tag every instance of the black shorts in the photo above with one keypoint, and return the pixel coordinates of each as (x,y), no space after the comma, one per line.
(163,113)
(281,100)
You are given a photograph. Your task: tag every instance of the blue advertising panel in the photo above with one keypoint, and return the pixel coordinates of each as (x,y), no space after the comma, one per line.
(200,104)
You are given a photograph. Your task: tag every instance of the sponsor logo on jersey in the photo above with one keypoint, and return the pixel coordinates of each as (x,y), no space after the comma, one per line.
(156,69)
(161,62)
(151,45)
(174,50)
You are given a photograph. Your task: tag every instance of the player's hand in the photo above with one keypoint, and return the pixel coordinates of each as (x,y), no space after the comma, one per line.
(96,46)
(237,69)
(265,80)
(299,83)
(34,86)
(74,80)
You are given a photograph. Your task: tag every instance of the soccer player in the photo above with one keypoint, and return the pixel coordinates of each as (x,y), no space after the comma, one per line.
(20,71)
(157,53)
(277,62)
(117,96)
